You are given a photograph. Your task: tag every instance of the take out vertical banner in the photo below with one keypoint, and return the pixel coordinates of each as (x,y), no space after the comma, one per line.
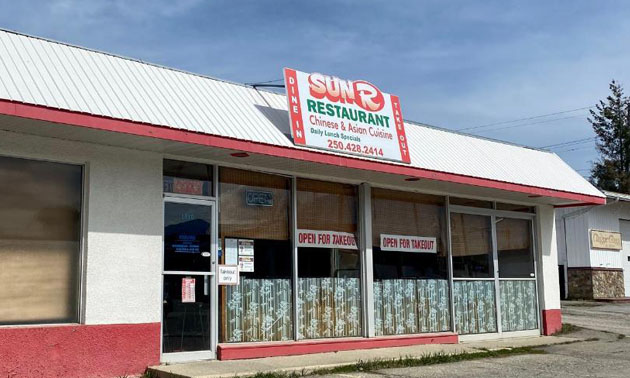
(352,117)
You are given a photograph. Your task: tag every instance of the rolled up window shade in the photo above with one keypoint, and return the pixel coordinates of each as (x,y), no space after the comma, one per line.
(405,213)
(470,235)
(240,219)
(325,205)
(513,234)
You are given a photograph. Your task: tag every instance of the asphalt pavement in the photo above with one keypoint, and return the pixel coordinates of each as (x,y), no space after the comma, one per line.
(606,353)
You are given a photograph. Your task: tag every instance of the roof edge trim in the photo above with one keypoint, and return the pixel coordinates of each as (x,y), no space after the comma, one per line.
(43,113)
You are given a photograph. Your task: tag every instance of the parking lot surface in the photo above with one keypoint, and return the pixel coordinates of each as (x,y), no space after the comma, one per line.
(605,353)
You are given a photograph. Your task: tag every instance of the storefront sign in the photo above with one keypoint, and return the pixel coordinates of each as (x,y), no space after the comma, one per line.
(246,264)
(326,239)
(605,240)
(245,247)
(186,243)
(258,198)
(227,274)
(186,186)
(403,243)
(352,117)
(188,290)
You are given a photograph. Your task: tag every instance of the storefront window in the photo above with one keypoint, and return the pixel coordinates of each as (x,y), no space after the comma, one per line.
(254,233)
(183,177)
(471,240)
(329,297)
(514,247)
(411,292)
(470,202)
(40,223)
(515,207)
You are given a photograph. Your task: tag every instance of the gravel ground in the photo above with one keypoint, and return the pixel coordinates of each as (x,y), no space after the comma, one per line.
(611,317)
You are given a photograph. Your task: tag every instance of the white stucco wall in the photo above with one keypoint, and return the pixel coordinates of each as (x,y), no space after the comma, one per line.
(123,246)
(549,289)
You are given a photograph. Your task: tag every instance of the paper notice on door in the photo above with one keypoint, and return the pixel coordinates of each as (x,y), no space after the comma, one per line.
(246,263)
(227,275)
(188,290)
(231,251)
(245,247)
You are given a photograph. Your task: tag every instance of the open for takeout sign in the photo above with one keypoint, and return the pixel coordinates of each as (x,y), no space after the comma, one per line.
(403,243)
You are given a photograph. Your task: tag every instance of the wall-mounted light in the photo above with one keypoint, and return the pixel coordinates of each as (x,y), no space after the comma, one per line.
(412,179)
(240,154)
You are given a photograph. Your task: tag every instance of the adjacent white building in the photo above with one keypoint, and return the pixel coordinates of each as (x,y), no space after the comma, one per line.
(594,249)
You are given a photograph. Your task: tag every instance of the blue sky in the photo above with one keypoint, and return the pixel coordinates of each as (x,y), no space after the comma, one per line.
(454,64)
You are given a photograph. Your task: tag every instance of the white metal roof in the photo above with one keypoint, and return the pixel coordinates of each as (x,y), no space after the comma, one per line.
(57,75)
(615,196)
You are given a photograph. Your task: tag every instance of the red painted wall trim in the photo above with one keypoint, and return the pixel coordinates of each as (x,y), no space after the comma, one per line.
(42,113)
(259,350)
(552,321)
(78,350)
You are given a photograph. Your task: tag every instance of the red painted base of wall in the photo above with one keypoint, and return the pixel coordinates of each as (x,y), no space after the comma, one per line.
(258,350)
(552,321)
(79,350)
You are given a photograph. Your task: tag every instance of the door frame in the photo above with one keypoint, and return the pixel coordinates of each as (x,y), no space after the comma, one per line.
(494,214)
(625,256)
(211,203)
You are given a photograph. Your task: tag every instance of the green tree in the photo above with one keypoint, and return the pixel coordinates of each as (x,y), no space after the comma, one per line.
(611,123)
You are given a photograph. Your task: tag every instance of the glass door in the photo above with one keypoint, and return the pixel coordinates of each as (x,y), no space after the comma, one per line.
(187,278)
(474,270)
(517,274)
(494,271)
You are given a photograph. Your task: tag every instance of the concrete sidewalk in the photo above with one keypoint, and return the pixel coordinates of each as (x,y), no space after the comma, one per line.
(307,363)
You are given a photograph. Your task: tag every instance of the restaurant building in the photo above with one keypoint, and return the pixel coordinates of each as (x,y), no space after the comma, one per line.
(151,215)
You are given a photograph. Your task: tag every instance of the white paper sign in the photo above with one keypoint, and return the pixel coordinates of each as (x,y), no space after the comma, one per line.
(227,274)
(188,290)
(403,243)
(231,251)
(326,239)
(246,264)
(347,116)
(245,247)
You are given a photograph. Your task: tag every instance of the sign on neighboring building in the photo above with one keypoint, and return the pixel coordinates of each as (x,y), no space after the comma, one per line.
(605,240)
(402,243)
(352,117)
(326,239)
